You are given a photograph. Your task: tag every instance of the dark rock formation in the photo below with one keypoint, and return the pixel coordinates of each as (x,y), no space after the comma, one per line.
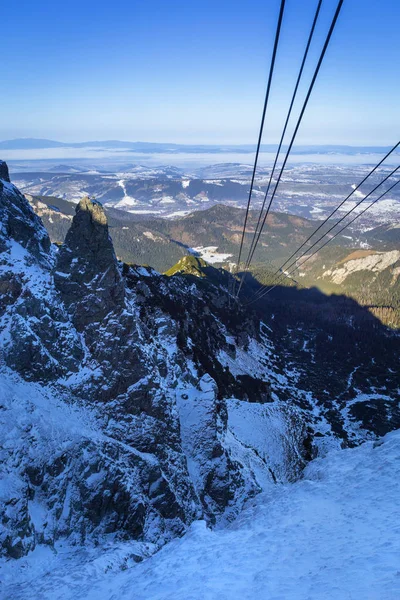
(86,272)
(4,174)
(18,222)
(124,475)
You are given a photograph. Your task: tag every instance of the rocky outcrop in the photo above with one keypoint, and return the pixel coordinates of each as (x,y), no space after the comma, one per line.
(90,286)
(373,262)
(86,272)
(18,222)
(123,475)
(36,341)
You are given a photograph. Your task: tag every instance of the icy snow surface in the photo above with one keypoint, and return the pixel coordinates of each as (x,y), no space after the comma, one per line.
(334,535)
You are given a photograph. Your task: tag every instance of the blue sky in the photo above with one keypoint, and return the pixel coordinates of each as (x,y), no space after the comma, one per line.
(194,71)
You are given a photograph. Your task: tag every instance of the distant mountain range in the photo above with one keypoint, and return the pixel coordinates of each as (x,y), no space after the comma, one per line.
(150,147)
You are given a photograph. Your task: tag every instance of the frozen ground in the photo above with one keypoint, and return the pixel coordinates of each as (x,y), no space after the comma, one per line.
(335,535)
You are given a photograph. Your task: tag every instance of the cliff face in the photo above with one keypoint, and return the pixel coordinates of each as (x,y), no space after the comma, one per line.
(18,222)
(86,272)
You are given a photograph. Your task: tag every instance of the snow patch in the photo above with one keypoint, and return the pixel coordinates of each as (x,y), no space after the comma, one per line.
(210,254)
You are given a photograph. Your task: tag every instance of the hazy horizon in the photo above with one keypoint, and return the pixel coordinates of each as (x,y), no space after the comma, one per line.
(99,139)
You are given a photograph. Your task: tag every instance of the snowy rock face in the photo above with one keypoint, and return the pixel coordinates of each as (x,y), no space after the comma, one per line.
(333,534)
(131,477)
(18,221)
(115,389)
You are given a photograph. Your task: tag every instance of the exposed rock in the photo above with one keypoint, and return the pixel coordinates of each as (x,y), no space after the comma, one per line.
(18,222)
(10,289)
(4,174)
(130,362)
(374,263)
(86,272)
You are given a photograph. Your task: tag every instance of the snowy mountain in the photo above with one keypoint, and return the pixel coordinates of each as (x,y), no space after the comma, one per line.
(137,406)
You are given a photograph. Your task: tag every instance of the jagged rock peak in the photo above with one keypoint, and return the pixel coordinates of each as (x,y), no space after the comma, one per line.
(4,174)
(94,208)
(86,272)
(88,233)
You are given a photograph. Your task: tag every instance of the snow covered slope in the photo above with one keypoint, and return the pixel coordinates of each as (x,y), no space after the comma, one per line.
(333,535)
